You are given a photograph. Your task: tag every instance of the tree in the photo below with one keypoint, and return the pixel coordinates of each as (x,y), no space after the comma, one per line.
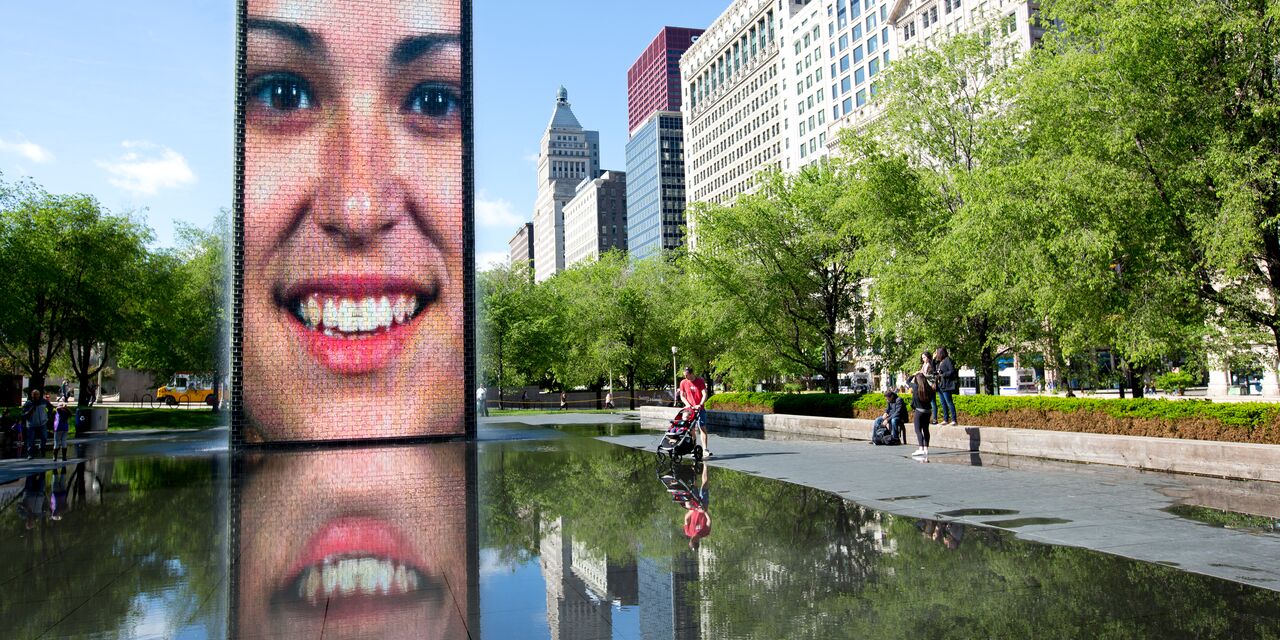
(38,296)
(184,324)
(506,298)
(620,317)
(105,290)
(942,276)
(783,259)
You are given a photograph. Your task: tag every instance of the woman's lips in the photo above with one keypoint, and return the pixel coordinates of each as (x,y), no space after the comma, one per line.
(357,566)
(354,324)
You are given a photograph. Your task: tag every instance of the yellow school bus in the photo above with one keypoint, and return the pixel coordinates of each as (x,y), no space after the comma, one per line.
(187,388)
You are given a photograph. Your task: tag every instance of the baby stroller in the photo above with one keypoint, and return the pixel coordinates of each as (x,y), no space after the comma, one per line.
(679,440)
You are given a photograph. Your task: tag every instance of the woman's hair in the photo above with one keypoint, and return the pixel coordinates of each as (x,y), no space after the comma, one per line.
(926,356)
(942,354)
(923,393)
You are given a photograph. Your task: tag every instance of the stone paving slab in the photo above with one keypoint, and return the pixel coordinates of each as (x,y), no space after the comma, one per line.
(1108,509)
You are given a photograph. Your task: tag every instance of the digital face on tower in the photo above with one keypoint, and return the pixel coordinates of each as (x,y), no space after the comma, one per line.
(353,238)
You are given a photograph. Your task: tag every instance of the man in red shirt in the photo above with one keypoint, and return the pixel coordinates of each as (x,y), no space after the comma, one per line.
(693,392)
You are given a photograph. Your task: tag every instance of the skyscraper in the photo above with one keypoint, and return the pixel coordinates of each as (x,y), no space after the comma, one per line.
(653,81)
(655,151)
(521,246)
(655,185)
(595,220)
(568,154)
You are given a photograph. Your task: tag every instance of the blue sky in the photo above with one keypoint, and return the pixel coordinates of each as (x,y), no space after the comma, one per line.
(131,100)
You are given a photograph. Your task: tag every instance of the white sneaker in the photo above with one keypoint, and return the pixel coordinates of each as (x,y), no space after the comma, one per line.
(918,452)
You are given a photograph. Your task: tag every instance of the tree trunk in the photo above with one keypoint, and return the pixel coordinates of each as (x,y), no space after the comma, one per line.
(830,375)
(599,385)
(1059,365)
(1134,378)
(987,361)
(631,387)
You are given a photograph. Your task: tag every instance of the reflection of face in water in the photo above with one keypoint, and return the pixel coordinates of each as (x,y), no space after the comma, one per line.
(353,214)
(368,543)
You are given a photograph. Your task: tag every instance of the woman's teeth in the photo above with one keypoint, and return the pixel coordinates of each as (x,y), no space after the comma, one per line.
(335,315)
(356,577)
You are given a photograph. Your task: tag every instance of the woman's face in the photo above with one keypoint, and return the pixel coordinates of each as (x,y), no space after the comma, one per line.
(353,214)
(360,543)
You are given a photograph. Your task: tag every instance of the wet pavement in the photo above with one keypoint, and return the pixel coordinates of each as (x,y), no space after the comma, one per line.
(534,532)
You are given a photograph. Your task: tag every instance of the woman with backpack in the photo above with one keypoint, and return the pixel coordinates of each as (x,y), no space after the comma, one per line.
(922,406)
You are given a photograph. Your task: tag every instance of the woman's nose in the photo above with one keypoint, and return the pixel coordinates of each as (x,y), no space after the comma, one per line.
(359,200)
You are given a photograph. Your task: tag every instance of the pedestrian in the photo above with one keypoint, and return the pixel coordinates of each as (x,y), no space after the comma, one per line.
(524,399)
(61,425)
(887,429)
(948,385)
(693,392)
(564,401)
(65,391)
(482,404)
(35,413)
(922,405)
(608,399)
(93,393)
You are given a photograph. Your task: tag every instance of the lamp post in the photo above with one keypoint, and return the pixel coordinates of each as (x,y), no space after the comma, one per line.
(675,380)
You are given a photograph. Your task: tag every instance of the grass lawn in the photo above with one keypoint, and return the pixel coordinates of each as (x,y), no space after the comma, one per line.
(126,418)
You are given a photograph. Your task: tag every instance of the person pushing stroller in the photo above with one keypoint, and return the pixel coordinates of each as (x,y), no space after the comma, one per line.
(693,392)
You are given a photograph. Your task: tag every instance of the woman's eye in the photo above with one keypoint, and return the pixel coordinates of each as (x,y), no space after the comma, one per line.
(431,100)
(282,92)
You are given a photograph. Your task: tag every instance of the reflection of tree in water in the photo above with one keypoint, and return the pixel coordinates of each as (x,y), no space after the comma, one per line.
(154,535)
(787,561)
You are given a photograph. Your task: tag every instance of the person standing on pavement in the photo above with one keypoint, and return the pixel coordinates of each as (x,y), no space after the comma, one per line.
(564,401)
(482,402)
(61,426)
(922,405)
(948,385)
(693,392)
(36,415)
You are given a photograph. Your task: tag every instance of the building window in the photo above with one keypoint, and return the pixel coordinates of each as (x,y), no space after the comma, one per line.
(1009,24)
(861,97)
(845,85)
(873,67)
(871,45)
(871,22)
(857,56)
(844,42)
(860,75)
(844,60)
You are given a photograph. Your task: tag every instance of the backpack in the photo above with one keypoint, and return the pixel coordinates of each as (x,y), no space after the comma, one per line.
(884,435)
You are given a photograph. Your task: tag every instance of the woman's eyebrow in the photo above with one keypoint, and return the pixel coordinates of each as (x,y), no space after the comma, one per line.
(295,33)
(414,47)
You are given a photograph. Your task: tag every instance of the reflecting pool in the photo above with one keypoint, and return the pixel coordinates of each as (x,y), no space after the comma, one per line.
(539,533)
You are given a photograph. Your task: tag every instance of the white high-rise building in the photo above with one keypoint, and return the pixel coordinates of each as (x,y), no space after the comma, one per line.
(732,101)
(807,88)
(568,155)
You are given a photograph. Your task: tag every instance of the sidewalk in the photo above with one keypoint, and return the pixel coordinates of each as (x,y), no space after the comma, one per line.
(1113,510)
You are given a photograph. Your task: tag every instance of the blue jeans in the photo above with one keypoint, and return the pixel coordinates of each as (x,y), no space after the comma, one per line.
(894,431)
(947,400)
(30,439)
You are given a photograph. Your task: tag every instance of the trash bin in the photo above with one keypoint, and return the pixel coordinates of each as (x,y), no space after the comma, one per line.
(90,420)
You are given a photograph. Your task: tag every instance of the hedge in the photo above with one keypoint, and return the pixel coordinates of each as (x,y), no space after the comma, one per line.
(828,405)
(1190,419)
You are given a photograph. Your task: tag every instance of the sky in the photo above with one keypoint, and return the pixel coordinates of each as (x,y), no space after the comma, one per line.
(132,100)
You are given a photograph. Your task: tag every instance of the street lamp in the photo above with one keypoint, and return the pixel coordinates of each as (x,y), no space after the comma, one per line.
(675,379)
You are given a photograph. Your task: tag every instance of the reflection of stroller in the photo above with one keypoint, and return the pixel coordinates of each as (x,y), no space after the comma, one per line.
(679,481)
(679,440)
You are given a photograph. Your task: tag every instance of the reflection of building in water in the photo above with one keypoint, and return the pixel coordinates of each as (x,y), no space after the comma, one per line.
(573,611)
(669,600)
(874,530)
(606,580)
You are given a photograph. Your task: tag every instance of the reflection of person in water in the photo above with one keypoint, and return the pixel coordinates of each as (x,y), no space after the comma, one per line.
(32,509)
(325,543)
(58,497)
(950,534)
(353,219)
(697,519)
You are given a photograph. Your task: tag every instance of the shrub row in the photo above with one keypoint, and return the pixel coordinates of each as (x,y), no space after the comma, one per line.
(827,405)
(1190,419)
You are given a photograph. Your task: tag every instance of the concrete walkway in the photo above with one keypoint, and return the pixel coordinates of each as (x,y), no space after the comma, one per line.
(1113,510)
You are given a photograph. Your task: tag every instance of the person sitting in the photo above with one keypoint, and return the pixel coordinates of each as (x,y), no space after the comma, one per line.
(887,429)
